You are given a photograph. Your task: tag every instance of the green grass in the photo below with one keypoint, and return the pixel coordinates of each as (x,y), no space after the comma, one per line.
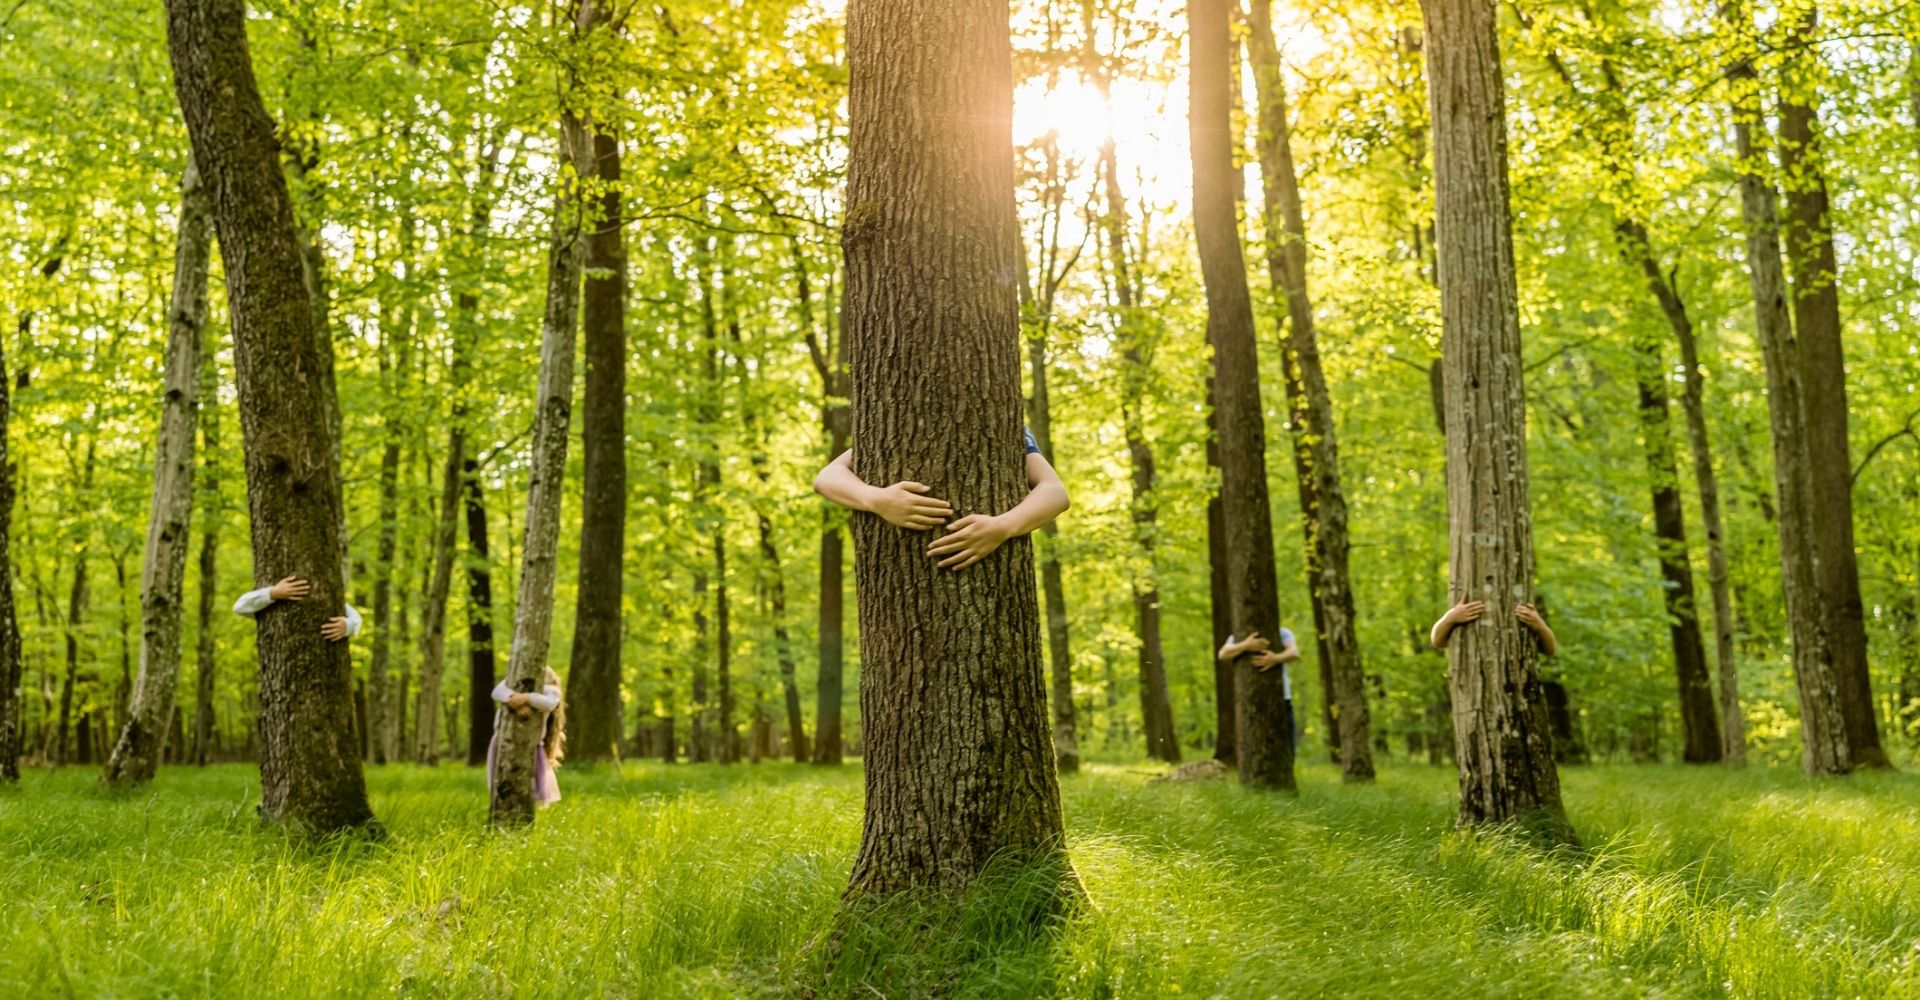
(699,881)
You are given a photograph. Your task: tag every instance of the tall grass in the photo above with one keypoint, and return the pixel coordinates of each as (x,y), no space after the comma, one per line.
(699,881)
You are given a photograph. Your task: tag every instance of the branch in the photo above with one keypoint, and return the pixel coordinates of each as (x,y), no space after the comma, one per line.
(1906,430)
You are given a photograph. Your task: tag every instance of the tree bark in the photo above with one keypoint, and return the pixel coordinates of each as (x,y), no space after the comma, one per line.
(480,661)
(11,729)
(835,425)
(163,572)
(310,773)
(593,678)
(1505,749)
(1066,746)
(382,719)
(1263,735)
(77,601)
(1323,503)
(1816,320)
(1219,591)
(519,741)
(433,617)
(959,767)
(1823,728)
(209,582)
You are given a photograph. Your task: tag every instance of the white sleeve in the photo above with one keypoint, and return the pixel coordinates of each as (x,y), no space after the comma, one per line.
(353,622)
(501,692)
(546,700)
(253,602)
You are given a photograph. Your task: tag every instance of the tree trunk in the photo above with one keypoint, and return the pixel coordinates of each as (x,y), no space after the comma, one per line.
(835,421)
(433,617)
(208,597)
(1823,728)
(310,774)
(959,769)
(1219,591)
(480,664)
(1507,771)
(164,570)
(77,602)
(11,729)
(1816,320)
(1263,734)
(593,679)
(1323,504)
(1066,747)
(728,751)
(381,717)
(782,642)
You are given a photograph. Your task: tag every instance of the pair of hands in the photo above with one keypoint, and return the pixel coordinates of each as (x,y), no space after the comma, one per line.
(517,703)
(1470,611)
(1264,658)
(294,589)
(968,540)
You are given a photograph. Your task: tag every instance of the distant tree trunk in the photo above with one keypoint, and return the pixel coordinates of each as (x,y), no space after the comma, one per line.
(519,742)
(11,729)
(77,602)
(1323,503)
(594,708)
(1501,735)
(1823,728)
(1219,591)
(310,773)
(1816,320)
(209,593)
(728,751)
(1066,746)
(164,570)
(381,718)
(931,233)
(782,642)
(433,618)
(480,663)
(835,421)
(1263,736)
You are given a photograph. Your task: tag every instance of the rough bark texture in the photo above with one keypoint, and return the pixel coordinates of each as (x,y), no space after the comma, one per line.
(309,761)
(1323,504)
(1816,320)
(1823,729)
(519,739)
(1263,736)
(1505,750)
(959,766)
(208,597)
(480,661)
(594,708)
(1066,746)
(163,576)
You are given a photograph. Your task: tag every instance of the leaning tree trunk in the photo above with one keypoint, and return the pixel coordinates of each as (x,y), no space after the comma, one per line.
(519,740)
(310,773)
(593,680)
(209,583)
(1507,772)
(959,767)
(1323,503)
(1823,728)
(10,670)
(1816,320)
(163,573)
(1263,735)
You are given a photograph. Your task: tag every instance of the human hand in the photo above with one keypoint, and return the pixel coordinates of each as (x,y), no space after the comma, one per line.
(906,505)
(517,700)
(291,588)
(1266,659)
(967,541)
(1465,611)
(334,629)
(1529,617)
(524,711)
(1253,643)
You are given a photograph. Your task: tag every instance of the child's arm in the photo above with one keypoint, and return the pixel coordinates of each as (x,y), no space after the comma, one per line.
(903,505)
(974,537)
(1231,649)
(253,602)
(344,627)
(545,700)
(1459,614)
(1541,633)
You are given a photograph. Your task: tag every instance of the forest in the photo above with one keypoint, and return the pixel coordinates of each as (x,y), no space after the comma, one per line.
(1106,498)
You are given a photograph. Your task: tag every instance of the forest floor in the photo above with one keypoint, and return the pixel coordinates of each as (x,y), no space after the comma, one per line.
(700,881)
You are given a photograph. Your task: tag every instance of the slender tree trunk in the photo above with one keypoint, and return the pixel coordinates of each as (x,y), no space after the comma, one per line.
(728,751)
(1219,592)
(1816,320)
(310,773)
(593,679)
(1066,746)
(11,729)
(519,742)
(959,768)
(77,601)
(1823,729)
(1507,771)
(480,661)
(1263,735)
(164,570)
(209,583)
(782,641)
(433,618)
(700,712)
(1323,503)
(835,425)
(381,718)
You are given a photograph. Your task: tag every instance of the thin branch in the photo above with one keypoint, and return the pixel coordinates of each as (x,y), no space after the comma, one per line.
(1906,430)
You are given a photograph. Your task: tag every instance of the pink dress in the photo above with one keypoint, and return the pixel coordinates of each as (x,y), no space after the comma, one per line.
(545,788)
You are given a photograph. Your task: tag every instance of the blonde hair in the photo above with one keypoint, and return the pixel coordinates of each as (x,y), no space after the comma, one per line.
(556,744)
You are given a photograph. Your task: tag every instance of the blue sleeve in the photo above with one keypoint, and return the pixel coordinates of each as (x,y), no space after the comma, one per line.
(1286,638)
(1033,447)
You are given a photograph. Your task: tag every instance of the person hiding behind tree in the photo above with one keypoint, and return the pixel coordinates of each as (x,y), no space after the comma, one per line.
(553,732)
(1259,648)
(294,589)
(1470,611)
(966,541)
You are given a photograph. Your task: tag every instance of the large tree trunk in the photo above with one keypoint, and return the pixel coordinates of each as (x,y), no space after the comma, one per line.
(593,679)
(1507,771)
(1823,728)
(209,594)
(959,769)
(1323,504)
(164,571)
(519,740)
(1263,733)
(1816,320)
(310,773)
(480,663)
(11,734)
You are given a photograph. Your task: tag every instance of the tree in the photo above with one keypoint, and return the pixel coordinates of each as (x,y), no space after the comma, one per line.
(835,420)
(480,661)
(309,751)
(960,771)
(10,672)
(512,793)
(209,582)
(1323,504)
(1263,737)
(1507,771)
(163,574)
